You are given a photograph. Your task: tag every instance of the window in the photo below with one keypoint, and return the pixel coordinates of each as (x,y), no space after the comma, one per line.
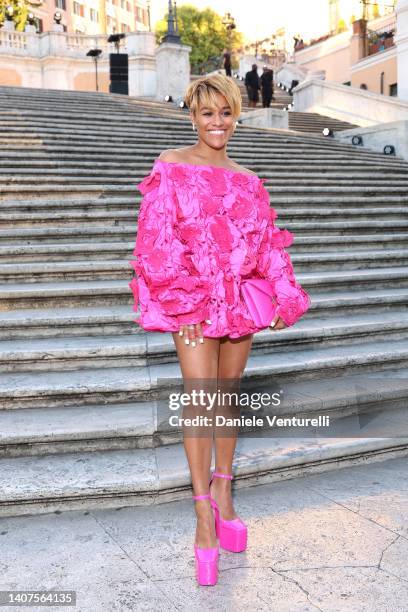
(122,3)
(382,83)
(394,89)
(38,24)
(78,9)
(61,4)
(363,86)
(347,83)
(94,15)
(128,7)
(111,25)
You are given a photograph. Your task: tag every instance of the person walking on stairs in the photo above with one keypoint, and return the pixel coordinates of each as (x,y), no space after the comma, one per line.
(253,86)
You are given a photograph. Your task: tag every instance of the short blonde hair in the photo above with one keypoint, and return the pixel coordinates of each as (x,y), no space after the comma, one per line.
(202,92)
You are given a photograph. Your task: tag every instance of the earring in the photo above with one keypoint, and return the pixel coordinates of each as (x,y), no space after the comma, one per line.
(194,126)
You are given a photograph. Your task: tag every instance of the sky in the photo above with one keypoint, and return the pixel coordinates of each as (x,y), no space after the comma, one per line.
(260,18)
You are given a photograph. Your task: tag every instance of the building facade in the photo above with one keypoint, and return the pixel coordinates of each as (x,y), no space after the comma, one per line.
(94,16)
(361,55)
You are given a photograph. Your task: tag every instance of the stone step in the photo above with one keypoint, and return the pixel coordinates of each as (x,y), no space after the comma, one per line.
(47,252)
(136,148)
(261,150)
(280,151)
(117,318)
(273,145)
(69,294)
(335,204)
(35,389)
(67,213)
(39,432)
(127,186)
(62,354)
(36,114)
(298,225)
(90,293)
(46,121)
(298,120)
(59,174)
(311,172)
(89,268)
(77,236)
(165,130)
(120,478)
(283,204)
(343,228)
(98,133)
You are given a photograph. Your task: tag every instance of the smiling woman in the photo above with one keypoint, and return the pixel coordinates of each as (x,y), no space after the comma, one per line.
(205,224)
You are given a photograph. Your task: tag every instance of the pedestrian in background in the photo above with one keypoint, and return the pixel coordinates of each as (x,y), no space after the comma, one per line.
(267,86)
(227,63)
(253,86)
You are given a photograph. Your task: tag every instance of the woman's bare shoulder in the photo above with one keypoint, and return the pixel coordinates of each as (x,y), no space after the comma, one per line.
(171,155)
(243,169)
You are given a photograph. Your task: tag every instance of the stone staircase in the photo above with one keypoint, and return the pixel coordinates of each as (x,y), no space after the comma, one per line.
(80,382)
(313,123)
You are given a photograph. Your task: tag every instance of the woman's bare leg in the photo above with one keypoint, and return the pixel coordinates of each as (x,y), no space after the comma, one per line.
(199,363)
(233,357)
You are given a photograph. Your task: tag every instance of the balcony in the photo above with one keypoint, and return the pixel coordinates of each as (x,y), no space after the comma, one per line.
(381,39)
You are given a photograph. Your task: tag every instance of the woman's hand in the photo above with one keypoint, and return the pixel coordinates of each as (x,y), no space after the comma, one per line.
(277,323)
(192,333)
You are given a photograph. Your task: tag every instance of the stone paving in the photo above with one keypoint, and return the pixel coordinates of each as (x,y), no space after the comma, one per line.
(335,541)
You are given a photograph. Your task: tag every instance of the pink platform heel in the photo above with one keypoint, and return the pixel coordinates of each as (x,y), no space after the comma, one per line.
(233,535)
(206,559)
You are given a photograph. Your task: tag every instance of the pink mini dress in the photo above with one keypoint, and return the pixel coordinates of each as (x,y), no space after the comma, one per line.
(201,230)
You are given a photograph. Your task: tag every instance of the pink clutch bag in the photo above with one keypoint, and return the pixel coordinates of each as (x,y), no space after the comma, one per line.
(258,294)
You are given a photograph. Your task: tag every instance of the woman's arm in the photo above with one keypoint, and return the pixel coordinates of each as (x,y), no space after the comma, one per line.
(170,290)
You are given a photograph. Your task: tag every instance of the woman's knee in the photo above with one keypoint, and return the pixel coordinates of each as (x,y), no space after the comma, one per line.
(199,362)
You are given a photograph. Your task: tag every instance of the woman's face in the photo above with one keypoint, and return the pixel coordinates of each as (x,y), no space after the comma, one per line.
(215,126)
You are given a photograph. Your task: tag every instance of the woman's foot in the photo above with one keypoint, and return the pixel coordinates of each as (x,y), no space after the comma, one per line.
(205,531)
(220,491)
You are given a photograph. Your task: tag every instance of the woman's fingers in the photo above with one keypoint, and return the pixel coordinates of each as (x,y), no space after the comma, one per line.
(192,333)
(277,323)
(199,332)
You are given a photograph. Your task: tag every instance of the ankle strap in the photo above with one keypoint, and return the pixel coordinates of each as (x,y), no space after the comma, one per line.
(206,496)
(229,476)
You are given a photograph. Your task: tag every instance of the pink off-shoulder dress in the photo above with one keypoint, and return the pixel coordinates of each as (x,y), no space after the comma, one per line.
(201,230)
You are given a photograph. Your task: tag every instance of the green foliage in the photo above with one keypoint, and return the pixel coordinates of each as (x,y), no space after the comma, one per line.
(21,10)
(203,31)
(341,26)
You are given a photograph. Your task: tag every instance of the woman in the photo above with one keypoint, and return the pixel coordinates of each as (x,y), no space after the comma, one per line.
(205,223)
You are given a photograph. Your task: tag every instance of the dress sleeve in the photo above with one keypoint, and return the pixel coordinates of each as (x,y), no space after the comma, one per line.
(275,265)
(167,285)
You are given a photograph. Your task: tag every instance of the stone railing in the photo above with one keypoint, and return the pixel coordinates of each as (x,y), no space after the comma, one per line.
(346,103)
(25,61)
(294,72)
(56,43)
(16,43)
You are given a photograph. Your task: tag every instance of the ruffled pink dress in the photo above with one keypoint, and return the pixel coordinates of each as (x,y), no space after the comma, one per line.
(201,230)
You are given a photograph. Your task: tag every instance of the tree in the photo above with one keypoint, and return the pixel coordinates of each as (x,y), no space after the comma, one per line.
(341,26)
(21,10)
(203,31)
